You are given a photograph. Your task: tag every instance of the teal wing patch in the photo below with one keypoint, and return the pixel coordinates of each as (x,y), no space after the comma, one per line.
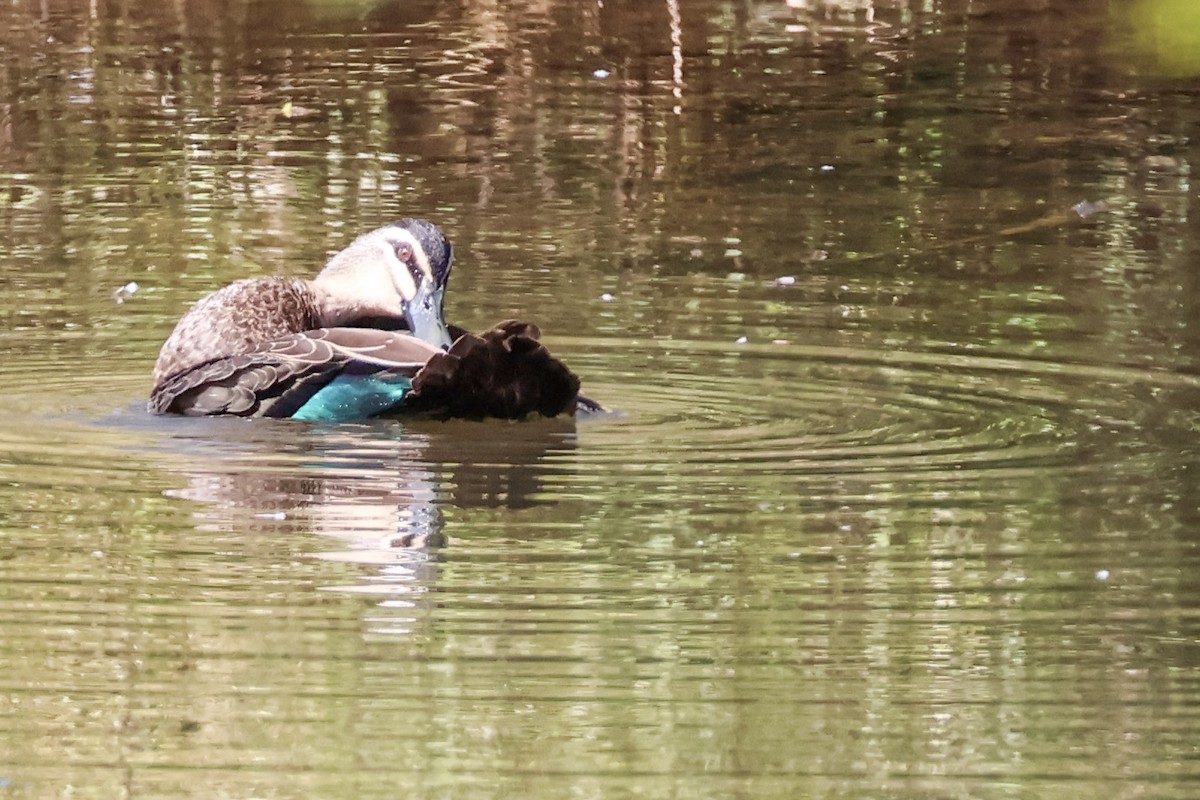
(351,397)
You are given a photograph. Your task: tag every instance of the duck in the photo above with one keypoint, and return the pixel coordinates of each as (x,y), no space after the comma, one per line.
(364,338)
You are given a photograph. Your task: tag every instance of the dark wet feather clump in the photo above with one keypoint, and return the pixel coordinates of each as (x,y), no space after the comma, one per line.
(505,372)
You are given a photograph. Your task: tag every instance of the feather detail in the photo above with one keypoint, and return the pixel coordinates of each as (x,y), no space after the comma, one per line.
(505,372)
(282,377)
(236,320)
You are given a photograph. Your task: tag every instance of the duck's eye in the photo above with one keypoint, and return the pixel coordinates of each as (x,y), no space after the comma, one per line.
(404,252)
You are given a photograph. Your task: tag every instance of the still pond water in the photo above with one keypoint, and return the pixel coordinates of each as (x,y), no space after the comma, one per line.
(897,300)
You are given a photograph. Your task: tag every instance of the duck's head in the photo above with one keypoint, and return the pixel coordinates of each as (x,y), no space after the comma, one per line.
(397,271)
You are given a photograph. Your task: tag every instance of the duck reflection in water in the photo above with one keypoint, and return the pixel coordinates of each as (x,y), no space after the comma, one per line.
(377,487)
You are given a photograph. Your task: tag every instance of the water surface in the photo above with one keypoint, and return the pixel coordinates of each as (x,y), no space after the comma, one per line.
(900,501)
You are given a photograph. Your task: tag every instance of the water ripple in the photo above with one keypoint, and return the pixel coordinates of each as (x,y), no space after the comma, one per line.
(773,409)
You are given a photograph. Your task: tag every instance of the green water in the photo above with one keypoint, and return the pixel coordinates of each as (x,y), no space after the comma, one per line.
(901,499)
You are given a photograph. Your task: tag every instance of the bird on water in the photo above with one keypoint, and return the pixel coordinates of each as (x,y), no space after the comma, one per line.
(366,337)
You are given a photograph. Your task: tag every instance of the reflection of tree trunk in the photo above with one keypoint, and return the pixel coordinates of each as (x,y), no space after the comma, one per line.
(164,123)
(243,122)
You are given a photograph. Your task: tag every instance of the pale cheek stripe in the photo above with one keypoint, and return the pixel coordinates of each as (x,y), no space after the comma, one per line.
(405,283)
(407,286)
(404,278)
(418,251)
(423,260)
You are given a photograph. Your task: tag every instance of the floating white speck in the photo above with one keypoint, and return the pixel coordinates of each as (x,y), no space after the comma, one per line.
(608,298)
(276,515)
(827,168)
(121,292)
(1102,574)
(601,73)
(785,280)
(742,339)
(732,252)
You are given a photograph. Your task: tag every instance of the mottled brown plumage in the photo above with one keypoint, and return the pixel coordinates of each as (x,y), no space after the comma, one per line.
(238,319)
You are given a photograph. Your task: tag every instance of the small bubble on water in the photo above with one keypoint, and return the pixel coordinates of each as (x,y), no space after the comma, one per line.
(1102,574)
(600,73)
(785,280)
(742,339)
(608,298)
(128,290)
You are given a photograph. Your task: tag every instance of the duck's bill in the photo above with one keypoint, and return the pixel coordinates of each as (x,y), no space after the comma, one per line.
(424,316)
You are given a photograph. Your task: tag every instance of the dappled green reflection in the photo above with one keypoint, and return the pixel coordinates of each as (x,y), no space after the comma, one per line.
(1167,33)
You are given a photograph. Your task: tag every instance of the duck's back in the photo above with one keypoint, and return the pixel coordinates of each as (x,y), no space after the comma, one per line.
(237,319)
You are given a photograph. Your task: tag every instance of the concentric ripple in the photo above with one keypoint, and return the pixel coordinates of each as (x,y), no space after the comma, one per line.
(716,414)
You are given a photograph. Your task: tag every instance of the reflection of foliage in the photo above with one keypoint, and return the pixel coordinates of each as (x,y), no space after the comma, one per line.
(202,137)
(186,145)
(1167,33)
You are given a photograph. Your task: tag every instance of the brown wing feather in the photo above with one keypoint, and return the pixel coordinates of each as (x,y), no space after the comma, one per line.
(286,372)
(386,348)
